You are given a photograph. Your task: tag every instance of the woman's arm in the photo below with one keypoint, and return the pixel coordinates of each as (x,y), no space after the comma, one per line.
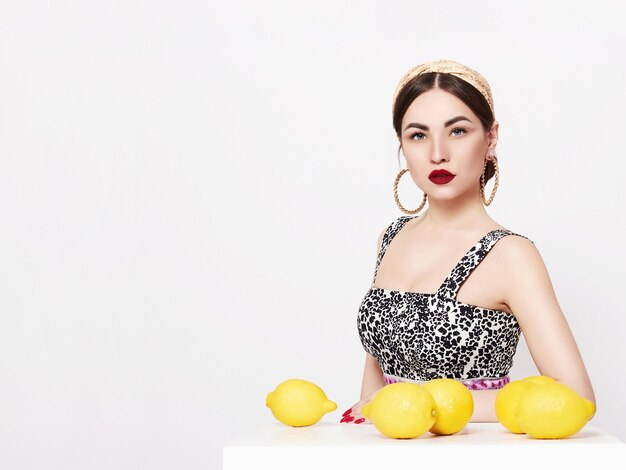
(530,295)
(372,377)
(484,406)
(372,383)
(372,373)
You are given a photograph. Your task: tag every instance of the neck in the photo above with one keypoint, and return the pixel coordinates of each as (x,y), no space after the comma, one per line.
(456,216)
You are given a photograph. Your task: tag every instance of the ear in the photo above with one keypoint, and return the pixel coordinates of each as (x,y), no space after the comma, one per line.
(492,135)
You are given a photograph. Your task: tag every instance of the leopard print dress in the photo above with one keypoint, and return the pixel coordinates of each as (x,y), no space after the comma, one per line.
(417,337)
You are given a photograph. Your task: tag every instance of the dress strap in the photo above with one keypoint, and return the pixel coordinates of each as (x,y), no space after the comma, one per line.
(391,232)
(469,261)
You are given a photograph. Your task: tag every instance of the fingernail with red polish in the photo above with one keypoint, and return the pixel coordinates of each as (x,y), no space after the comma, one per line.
(349,418)
(347,412)
(359,421)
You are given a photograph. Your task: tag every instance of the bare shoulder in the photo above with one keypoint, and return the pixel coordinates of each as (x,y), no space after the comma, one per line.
(517,255)
(525,270)
(517,248)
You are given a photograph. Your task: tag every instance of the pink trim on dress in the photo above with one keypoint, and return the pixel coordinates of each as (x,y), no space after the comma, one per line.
(472,384)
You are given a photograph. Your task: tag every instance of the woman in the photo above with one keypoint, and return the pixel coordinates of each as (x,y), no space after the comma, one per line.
(425,316)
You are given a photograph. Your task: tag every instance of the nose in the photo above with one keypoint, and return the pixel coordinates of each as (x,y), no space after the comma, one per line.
(439,153)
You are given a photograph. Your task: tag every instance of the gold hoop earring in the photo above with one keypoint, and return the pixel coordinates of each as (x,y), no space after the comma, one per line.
(482,181)
(395,195)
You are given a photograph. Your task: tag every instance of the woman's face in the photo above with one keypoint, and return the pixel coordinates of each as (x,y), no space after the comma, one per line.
(439,131)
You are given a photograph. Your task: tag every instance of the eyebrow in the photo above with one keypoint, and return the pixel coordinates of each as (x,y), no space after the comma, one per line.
(446,124)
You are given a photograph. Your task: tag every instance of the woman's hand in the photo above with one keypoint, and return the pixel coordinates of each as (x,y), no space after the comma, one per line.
(353,415)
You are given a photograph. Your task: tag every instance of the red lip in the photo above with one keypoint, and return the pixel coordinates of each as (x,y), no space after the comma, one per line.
(441,176)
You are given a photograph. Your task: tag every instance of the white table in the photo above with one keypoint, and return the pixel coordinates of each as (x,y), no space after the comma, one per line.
(330,445)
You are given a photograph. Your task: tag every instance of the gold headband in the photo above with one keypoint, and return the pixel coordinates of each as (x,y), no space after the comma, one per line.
(454,68)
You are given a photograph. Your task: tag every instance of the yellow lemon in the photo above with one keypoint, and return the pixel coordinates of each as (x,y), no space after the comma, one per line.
(539,379)
(506,402)
(508,398)
(401,410)
(590,407)
(298,402)
(551,411)
(454,405)
(544,379)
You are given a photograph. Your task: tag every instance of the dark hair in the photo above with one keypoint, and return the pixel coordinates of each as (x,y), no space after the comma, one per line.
(452,84)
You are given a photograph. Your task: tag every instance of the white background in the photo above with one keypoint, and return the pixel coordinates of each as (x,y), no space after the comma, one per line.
(191,193)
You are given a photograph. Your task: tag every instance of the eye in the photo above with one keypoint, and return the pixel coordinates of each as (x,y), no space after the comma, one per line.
(459,129)
(416,134)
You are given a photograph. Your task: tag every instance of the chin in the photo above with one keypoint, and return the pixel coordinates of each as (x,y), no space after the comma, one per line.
(443,194)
